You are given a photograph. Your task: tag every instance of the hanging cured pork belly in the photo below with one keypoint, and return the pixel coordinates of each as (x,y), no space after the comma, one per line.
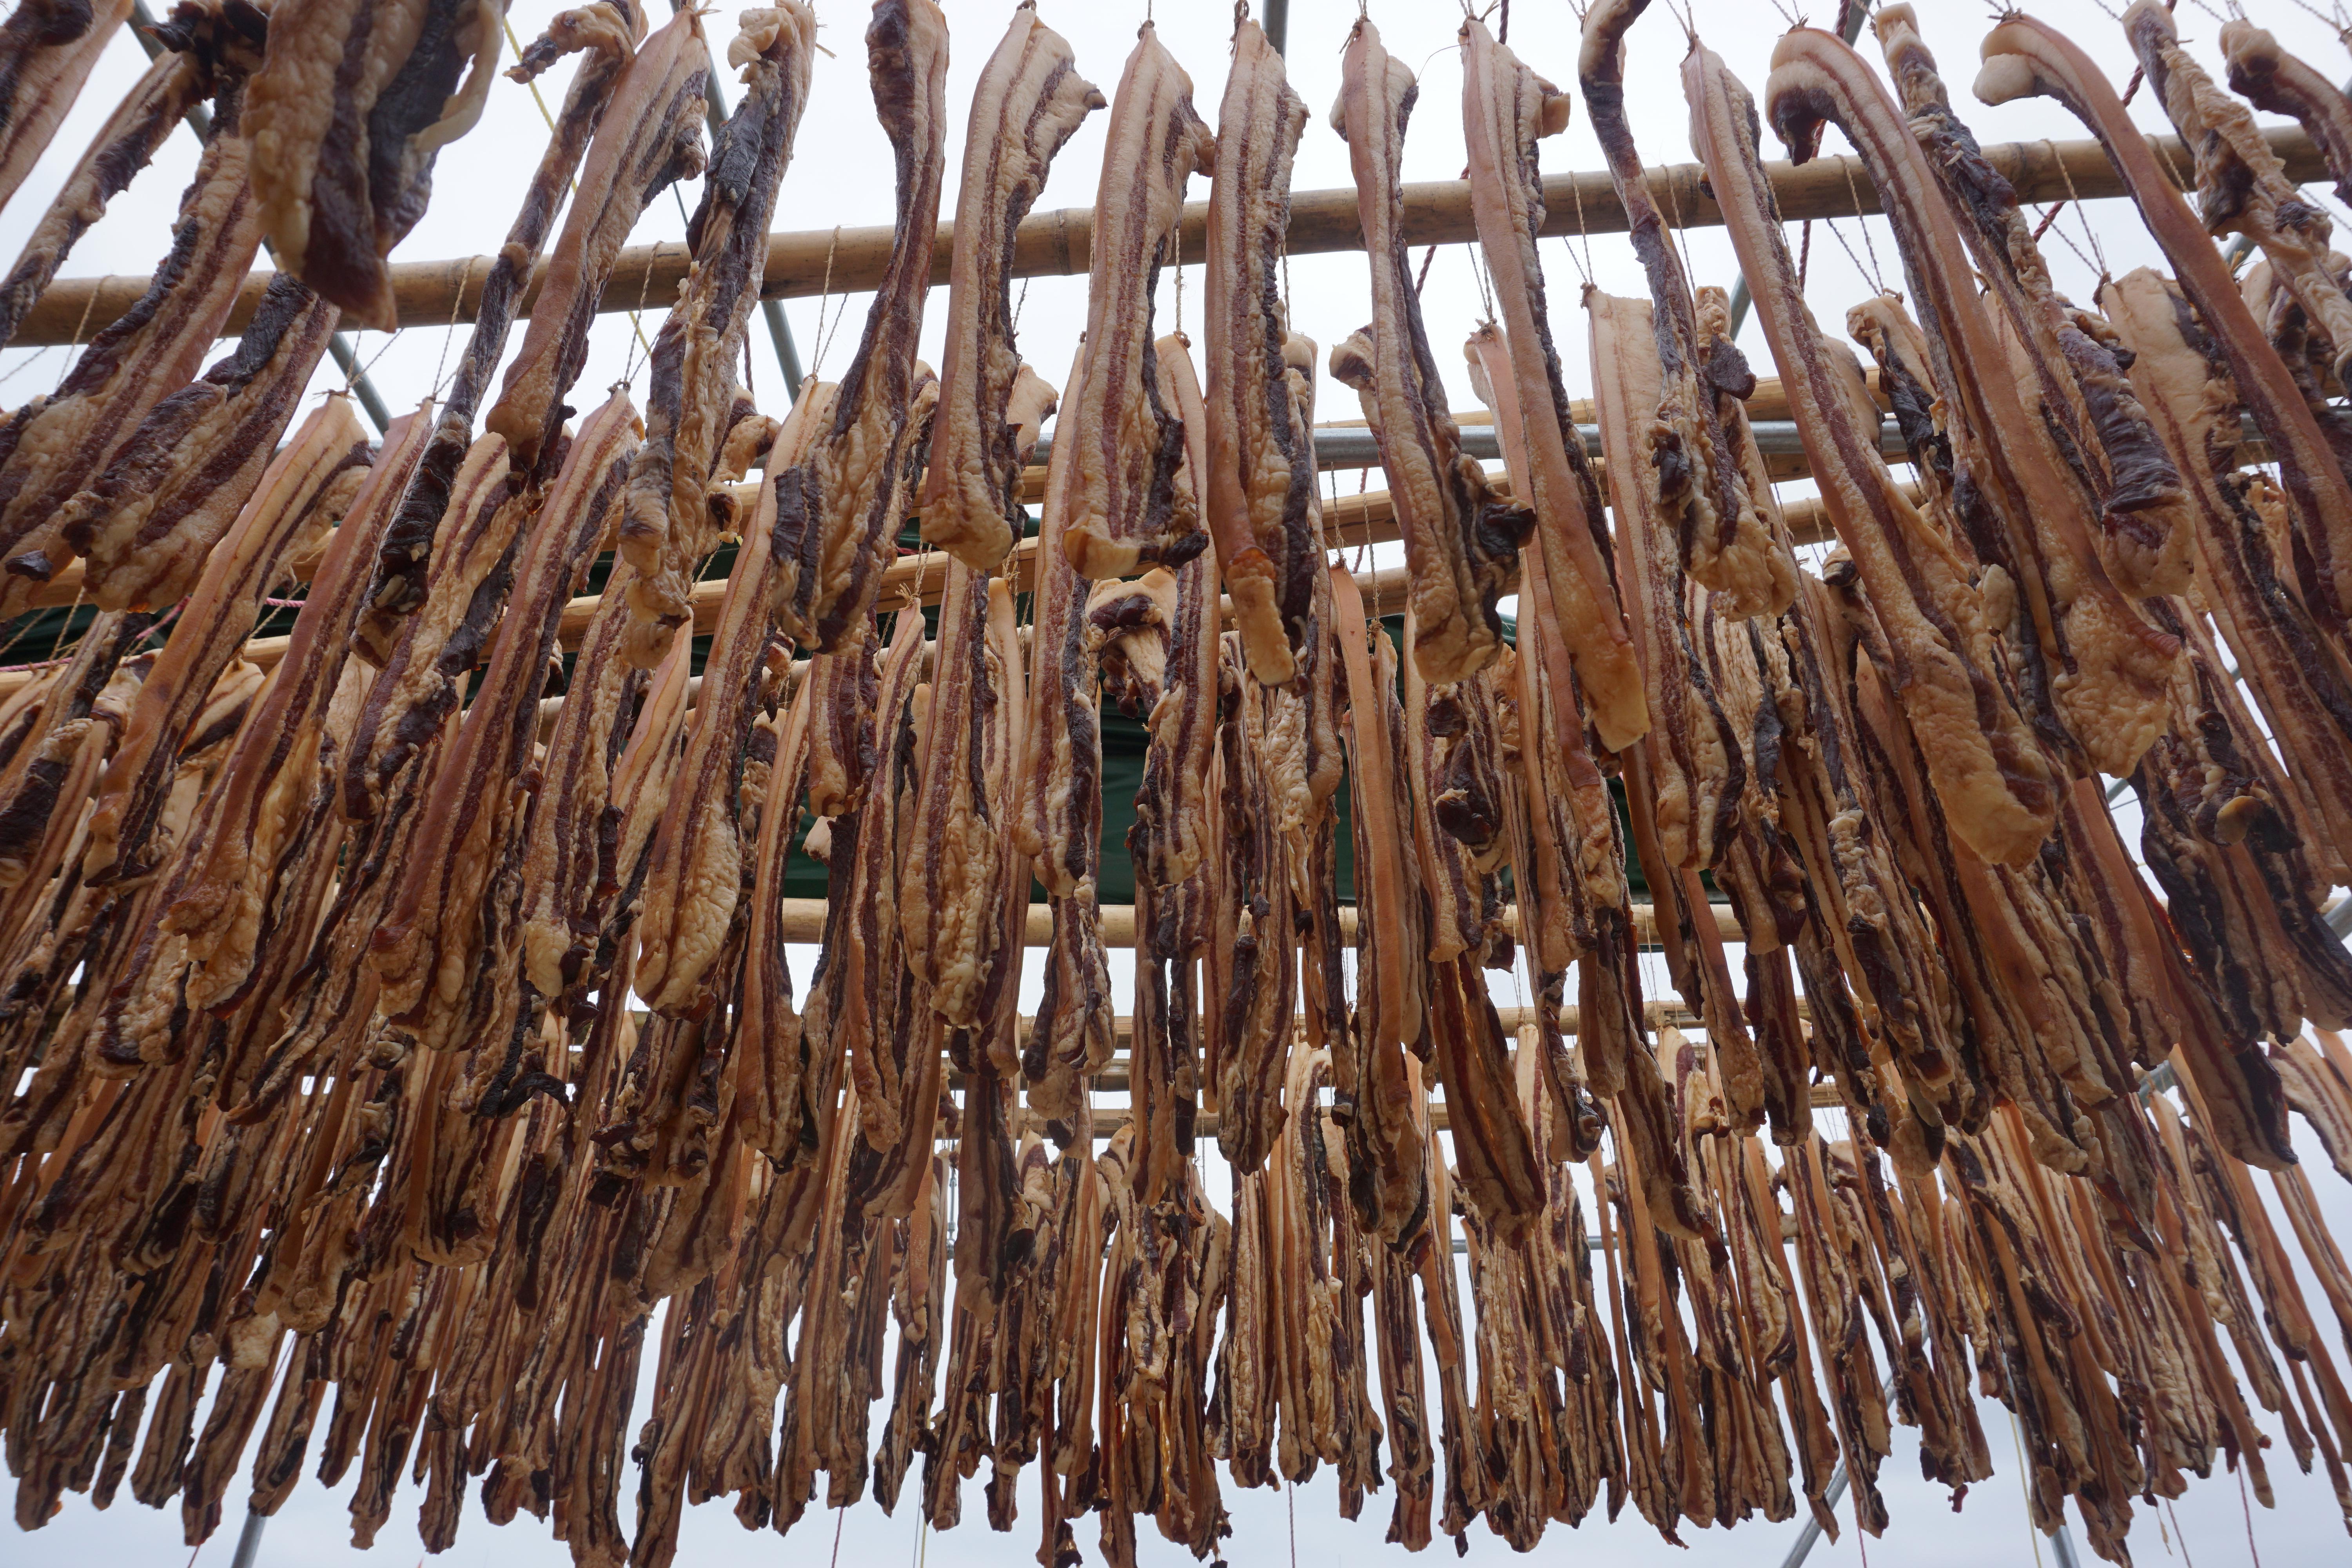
(178,80)
(607,31)
(1723,542)
(650,137)
(2241,184)
(1129,511)
(54,446)
(1029,100)
(2106,669)
(2081,388)
(352,104)
(1991,774)
(1258,487)
(1461,540)
(2277,83)
(2024,58)
(668,525)
(838,512)
(47,50)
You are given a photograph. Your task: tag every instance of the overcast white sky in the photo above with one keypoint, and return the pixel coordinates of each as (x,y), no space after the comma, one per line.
(842,177)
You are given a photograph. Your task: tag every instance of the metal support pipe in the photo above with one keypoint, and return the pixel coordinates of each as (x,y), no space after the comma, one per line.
(248,1539)
(199,121)
(1277,24)
(779,332)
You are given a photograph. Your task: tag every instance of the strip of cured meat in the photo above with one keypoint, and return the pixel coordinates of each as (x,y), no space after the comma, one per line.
(2107,667)
(2283,655)
(2277,83)
(1259,483)
(149,113)
(48,50)
(226,599)
(1723,542)
(1992,778)
(1253,1035)
(1506,109)
(429,953)
(667,526)
(221,901)
(693,881)
(1697,768)
(419,688)
(148,522)
(2024,56)
(2082,387)
(1461,540)
(651,137)
(1128,511)
(607,31)
(1029,101)
(1171,836)
(54,446)
(348,113)
(953,882)
(2241,184)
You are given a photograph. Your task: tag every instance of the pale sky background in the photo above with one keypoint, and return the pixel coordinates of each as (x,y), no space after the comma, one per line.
(842,175)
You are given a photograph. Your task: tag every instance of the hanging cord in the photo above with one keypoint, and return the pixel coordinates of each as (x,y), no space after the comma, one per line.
(1584,267)
(2251,1551)
(86,305)
(1876,281)
(457,309)
(824,333)
(2177,1535)
(1426,258)
(1804,252)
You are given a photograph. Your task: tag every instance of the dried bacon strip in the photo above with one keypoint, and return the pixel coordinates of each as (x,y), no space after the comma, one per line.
(347,114)
(668,525)
(2241,184)
(2082,387)
(217,618)
(172,490)
(651,137)
(2107,667)
(1128,511)
(1506,109)
(1258,485)
(221,903)
(951,883)
(431,951)
(1171,836)
(2283,655)
(1460,541)
(1029,101)
(608,31)
(47,50)
(2277,83)
(1725,542)
(56,445)
(148,113)
(2024,56)
(1698,767)
(418,687)
(1994,783)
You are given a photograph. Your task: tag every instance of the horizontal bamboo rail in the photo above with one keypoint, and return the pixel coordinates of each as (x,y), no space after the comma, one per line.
(851,260)
(804,920)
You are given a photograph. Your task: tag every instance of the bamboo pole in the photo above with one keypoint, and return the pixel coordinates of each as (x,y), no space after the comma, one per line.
(804,920)
(851,260)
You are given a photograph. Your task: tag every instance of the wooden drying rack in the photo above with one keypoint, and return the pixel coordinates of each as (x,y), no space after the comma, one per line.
(1059,243)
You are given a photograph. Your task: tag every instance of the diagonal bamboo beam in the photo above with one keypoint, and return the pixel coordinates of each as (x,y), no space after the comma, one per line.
(433,293)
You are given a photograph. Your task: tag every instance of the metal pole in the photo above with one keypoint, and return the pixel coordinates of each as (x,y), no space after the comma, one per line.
(1813,1530)
(779,332)
(248,1539)
(2062,1538)
(1277,24)
(199,121)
